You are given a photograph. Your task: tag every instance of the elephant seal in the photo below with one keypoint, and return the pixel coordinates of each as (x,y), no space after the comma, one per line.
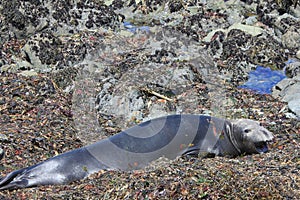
(169,136)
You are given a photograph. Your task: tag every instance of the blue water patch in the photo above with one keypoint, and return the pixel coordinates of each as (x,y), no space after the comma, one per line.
(262,79)
(132,28)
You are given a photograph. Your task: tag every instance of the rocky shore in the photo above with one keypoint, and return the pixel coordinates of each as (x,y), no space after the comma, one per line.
(73,72)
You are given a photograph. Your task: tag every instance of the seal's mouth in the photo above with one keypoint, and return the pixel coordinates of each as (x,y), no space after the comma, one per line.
(261,147)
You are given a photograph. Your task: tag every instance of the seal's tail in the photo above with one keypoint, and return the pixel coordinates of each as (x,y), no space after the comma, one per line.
(14,180)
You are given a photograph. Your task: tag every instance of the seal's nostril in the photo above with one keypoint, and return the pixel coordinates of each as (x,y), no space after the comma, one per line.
(266,133)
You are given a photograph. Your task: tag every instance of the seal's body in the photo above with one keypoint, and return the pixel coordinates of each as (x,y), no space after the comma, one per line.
(170,136)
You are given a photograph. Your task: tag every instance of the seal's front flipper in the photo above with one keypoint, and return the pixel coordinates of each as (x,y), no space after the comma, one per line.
(192,151)
(203,155)
(195,152)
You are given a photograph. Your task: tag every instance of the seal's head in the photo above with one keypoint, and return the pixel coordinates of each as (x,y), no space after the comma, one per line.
(250,136)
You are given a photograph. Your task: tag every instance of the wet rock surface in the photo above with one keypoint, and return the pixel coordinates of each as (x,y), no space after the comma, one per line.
(65,63)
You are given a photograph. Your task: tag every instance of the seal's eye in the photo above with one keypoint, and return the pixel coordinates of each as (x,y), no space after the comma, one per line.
(247,130)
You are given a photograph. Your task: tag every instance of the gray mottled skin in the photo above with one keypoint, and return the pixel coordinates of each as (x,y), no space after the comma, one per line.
(169,136)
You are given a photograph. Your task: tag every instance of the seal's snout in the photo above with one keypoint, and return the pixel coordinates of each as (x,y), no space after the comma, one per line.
(268,135)
(264,137)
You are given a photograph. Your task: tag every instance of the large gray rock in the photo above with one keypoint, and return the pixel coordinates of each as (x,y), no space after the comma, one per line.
(288,90)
